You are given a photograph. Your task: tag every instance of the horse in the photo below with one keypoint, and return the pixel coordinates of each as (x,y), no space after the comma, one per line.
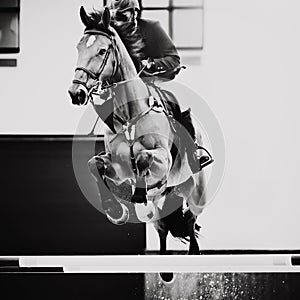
(143,148)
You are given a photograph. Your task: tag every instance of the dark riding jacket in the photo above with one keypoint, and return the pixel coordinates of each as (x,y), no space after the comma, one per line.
(159,48)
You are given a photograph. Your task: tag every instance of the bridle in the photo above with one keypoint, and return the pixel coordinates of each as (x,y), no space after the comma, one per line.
(101,86)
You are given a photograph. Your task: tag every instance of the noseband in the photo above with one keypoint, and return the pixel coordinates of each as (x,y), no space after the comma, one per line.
(91,74)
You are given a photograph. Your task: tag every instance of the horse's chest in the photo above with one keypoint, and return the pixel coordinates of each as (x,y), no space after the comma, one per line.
(150,132)
(121,147)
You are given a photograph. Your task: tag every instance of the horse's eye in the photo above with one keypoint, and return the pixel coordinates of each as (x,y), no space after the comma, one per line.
(102,51)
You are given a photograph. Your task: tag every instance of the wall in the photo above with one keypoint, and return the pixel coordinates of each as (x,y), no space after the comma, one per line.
(34,96)
(249,75)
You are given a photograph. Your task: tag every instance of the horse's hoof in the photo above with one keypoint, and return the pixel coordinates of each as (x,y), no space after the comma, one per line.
(167,277)
(194,249)
(119,221)
(145,212)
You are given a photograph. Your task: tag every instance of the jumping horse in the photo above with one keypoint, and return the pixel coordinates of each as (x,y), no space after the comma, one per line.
(143,146)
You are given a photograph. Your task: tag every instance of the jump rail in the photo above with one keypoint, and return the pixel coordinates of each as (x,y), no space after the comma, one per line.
(168,263)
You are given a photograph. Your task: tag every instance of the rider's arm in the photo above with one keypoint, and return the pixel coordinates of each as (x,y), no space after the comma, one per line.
(160,49)
(169,56)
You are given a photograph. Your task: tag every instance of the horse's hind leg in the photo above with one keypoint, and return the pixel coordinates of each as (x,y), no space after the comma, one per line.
(197,198)
(100,167)
(194,247)
(190,221)
(163,233)
(192,190)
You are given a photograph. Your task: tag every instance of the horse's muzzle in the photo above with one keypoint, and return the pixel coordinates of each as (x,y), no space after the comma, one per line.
(78,96)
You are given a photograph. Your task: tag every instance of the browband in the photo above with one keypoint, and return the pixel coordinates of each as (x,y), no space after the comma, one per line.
(93,31)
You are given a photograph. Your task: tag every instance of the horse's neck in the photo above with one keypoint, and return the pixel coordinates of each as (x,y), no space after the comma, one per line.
(131,98)
(131,92)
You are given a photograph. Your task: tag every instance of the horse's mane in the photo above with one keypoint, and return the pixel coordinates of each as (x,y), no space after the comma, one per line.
(131,38)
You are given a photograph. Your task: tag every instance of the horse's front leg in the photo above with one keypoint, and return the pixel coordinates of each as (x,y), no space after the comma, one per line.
(101,168)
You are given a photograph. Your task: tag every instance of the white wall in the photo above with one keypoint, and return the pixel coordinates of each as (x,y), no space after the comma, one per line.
(249,75)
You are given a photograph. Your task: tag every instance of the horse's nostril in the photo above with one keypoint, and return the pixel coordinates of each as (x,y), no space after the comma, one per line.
(78,97)
(81,96)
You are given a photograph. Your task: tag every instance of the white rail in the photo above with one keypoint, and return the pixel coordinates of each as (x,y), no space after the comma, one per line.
(168,263)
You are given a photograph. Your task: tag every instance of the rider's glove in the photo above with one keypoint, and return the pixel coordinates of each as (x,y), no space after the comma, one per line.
(148,63)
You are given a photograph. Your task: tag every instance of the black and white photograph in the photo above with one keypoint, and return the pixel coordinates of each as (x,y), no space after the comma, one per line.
(149,149)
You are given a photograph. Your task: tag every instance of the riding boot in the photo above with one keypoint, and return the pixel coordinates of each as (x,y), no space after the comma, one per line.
(196,159)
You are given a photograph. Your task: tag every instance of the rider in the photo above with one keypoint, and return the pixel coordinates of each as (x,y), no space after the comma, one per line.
(160,57)
(159,50)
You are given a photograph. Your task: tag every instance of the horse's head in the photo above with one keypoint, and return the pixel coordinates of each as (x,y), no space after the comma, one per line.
(96,59)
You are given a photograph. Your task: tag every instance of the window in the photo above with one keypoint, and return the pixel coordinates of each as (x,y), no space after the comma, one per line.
(9,26)
(182,19)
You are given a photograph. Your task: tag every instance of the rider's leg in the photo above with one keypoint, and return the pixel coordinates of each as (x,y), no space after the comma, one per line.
(195,156)
(197,160)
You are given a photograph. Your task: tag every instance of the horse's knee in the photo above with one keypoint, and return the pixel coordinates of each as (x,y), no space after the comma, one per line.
(96,166)
(92,163)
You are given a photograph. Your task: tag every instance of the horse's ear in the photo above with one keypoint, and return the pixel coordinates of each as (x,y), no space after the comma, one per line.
(106,17)
(84,17)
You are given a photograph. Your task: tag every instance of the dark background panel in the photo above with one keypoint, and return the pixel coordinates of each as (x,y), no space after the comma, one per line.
(72,286)
(227,286)
(43,210)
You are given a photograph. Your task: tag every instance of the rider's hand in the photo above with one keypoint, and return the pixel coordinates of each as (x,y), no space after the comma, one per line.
(148,63)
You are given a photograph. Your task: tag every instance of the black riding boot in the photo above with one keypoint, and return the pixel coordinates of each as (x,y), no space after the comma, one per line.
(196,159)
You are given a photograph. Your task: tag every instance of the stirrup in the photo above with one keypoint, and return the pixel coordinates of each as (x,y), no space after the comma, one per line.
(205,160)
(119,221)
(201,161)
